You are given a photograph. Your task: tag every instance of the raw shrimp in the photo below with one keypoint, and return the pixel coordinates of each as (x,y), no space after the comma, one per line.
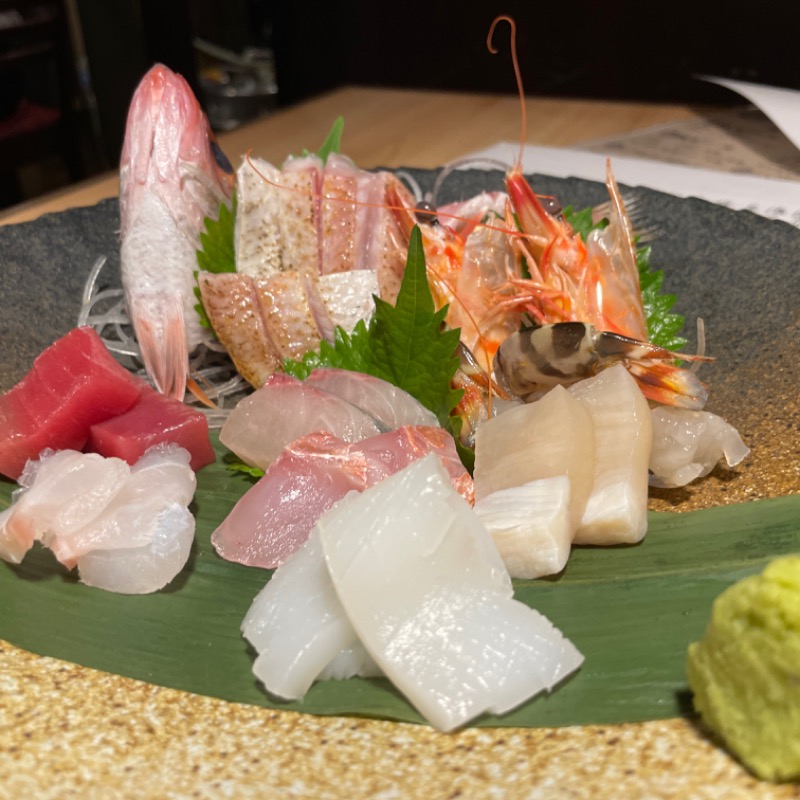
(595,283)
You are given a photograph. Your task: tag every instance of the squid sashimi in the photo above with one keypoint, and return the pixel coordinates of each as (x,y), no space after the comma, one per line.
(389,405)
(284,409)
(275,517)
(72,384)
(300,630)
(688,445)
(531,526)
(429,597)
(616,511)
(154,419)
(128,529)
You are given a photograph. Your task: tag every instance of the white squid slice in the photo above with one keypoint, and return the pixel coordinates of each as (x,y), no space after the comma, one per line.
(429,597)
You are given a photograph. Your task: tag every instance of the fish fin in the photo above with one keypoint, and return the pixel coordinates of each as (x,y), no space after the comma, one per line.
(162,340)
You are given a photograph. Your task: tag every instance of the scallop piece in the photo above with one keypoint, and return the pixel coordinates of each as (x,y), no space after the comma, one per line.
(689,444)
(531,526)
(616,511)
(427,593)
(550,437)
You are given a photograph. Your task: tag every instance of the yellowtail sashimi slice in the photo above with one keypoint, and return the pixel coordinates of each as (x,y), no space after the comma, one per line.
(429,597)
(531,526)
(616,511)
(299,628)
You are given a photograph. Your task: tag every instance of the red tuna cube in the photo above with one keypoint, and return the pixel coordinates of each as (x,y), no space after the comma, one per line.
(154,419)
(72,385)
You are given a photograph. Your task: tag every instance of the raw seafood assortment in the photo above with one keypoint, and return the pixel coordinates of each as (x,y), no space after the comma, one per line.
(383,564)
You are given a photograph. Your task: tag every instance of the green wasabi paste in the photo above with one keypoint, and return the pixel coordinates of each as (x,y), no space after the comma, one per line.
(745,673)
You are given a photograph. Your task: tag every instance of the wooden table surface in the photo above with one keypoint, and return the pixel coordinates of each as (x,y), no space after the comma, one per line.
(396,127)
(68,731)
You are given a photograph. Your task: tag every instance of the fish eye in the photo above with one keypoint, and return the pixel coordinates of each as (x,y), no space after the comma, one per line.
(219,156)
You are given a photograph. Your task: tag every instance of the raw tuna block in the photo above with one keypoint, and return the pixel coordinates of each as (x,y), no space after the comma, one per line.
(154,419)
(73,384)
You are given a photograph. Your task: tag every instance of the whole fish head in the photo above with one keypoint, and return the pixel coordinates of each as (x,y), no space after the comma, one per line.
(170,149)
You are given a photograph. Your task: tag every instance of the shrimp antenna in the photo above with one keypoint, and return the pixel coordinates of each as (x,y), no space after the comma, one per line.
(517,74)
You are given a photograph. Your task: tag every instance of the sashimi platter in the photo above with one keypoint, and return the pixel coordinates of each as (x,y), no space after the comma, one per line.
(458,447)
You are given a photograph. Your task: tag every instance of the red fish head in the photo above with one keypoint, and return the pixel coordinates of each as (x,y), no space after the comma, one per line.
(169,147)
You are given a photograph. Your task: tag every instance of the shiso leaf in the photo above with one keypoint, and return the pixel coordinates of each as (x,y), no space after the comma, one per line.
(333,141)
(216,253)
(404,344)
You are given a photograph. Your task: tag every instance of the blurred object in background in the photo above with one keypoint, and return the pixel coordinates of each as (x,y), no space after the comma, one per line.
(236,88)
(48,131)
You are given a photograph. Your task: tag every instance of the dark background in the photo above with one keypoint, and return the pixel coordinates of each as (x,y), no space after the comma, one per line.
(585,48)
(614,49)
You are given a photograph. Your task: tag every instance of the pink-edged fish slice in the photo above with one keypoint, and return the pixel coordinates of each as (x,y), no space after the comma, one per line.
(276,516)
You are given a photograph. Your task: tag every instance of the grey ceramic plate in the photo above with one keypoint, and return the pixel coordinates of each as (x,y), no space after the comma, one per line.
(735,269)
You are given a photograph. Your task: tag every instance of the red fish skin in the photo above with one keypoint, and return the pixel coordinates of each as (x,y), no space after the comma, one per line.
(154,419)
(72,385)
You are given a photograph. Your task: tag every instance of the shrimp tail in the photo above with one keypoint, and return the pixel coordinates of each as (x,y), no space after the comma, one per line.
(160,330)
(667,383)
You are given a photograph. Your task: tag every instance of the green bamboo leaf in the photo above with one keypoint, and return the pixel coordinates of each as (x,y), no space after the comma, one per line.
(631,610)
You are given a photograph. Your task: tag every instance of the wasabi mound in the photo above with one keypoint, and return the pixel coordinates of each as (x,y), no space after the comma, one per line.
(745,673)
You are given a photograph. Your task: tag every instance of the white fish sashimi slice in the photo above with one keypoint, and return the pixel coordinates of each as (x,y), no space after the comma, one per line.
(161,480)
(427,593)
(284,409)
(65,491)
(257,233)
(348,296)
(338,215)
(273,518)
(287,314)
(616,511)
(689,444)
(149,567)
(389,405)
(297,625)
(531,526)
(301,179)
